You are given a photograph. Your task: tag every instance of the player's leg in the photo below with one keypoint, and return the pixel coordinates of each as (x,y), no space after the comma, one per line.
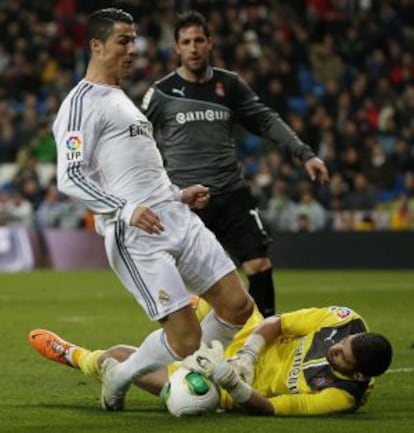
(91,365)
(231,308)
(55,348)
(259,272)
(253,254)
(238,227)
(148,271)
(209,272)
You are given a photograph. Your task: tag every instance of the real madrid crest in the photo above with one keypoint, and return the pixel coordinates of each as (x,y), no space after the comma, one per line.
(163,297)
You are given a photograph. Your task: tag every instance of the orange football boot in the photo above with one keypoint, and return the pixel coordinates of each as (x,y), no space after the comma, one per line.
(50,345)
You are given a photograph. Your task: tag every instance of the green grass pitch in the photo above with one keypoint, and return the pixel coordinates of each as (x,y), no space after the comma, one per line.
(92,309)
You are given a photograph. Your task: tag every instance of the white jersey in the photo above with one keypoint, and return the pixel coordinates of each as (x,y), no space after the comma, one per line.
(107,157)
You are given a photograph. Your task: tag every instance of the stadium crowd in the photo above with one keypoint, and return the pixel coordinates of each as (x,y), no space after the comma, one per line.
(341,73)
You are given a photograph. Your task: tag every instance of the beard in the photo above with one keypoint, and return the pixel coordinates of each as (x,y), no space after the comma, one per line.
(197,68)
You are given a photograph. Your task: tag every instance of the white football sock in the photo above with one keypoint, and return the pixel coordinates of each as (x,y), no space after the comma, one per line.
(214,328)
(153,353)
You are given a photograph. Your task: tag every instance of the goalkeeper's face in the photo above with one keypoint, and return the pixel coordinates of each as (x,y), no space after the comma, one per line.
(193,47)
(341,357)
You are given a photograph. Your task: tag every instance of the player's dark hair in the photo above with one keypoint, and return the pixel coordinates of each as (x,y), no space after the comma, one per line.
(189,19)
(100,23)
(373,353)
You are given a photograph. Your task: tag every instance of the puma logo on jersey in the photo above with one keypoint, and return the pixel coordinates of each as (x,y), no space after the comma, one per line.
(331,336)
(179,91)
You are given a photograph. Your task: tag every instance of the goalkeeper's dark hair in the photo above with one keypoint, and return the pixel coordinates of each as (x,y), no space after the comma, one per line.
(190,19)
(100,23)
(372,352)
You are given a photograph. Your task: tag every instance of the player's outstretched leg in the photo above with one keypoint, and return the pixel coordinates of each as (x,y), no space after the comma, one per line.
(53,347)
(112,397)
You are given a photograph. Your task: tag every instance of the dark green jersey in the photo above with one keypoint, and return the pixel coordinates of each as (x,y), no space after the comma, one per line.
(196,121)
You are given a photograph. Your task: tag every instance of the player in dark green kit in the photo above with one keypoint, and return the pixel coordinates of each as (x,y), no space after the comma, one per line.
(195,108)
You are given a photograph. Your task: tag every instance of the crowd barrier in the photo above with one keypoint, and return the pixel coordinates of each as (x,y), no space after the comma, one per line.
(344,250)
(22,250)
(51,248)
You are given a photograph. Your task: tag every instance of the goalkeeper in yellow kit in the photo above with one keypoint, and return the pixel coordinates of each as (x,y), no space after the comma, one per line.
(308,362)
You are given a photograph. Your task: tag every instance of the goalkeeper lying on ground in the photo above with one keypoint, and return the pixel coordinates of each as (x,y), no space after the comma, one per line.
(307,362)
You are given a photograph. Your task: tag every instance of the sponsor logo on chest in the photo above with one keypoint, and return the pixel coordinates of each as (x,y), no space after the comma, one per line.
(140,128)
(201,115)
(293,375)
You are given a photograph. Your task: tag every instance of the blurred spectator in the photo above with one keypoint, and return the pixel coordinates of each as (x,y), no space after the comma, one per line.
(332,196)
(379,169)
(43,146)
(309,214)
(280,209)
(402,214)
(9,142)
(362,194)
(326,63)
(75,216)
(15,210)
(51,209)
(32,191)
(26,171)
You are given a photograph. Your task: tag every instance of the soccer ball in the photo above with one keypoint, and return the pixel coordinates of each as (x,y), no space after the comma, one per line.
(189,393)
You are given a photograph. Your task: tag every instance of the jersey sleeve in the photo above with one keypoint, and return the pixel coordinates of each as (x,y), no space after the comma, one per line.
(328,401)
(152,105)
(76,131)
(308,320)
(263,121)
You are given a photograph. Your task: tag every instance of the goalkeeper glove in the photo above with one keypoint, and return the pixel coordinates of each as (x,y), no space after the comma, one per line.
(245,359)
(210,362)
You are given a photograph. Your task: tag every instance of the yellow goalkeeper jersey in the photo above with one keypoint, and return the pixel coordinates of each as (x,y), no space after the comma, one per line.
(293,372)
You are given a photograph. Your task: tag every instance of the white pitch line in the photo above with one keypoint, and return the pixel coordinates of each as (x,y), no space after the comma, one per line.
(401,370)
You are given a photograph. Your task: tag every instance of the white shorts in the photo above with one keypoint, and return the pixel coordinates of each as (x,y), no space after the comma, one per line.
(163,271)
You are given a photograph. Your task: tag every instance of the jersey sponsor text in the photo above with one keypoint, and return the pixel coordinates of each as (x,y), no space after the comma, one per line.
(199,115)
(293,375)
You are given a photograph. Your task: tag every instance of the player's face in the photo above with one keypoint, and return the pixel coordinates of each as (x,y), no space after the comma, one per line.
(117,53)
(194,48)
(341,357)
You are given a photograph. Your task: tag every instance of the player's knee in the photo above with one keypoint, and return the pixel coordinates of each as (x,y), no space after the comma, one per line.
(239,312)
(120,352)
(245,309)
(186,344)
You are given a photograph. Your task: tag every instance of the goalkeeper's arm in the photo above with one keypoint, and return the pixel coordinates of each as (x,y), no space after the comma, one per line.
(243,394)
(246,357)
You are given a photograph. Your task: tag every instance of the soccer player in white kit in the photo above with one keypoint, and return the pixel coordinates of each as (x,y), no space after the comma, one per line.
(160,250)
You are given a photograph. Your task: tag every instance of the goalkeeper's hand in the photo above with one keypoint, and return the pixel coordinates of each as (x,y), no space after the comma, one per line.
(206,359)
(210,362)
(243,363)
(245,359)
